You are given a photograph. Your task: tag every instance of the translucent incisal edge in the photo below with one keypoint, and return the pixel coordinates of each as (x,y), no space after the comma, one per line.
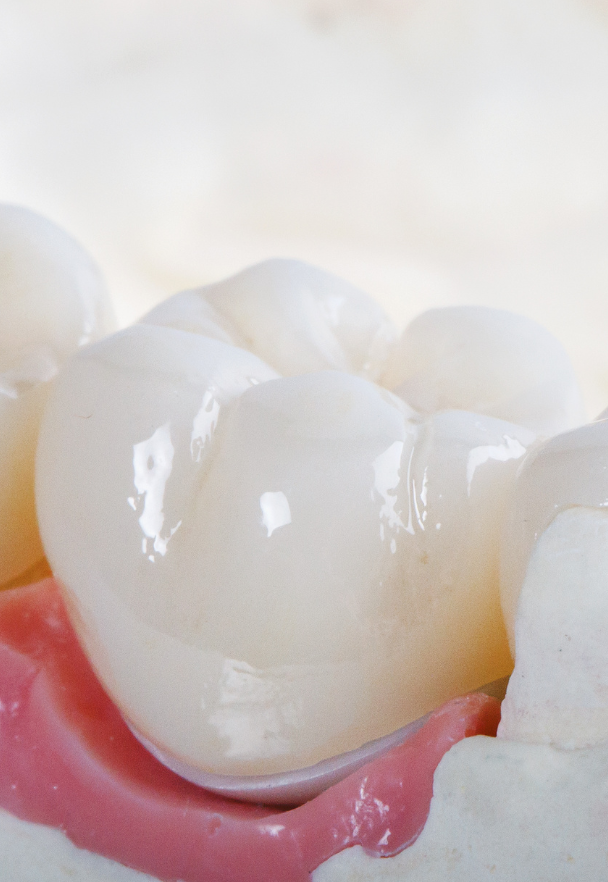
(566,471)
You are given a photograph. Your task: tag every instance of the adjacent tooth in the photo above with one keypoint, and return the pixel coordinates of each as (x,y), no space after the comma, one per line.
(294,316)
(269,571)
(487,361)
(566,471)
(52,301)
(558,692)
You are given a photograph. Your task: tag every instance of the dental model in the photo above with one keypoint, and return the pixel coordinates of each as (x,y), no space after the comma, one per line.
(271,560)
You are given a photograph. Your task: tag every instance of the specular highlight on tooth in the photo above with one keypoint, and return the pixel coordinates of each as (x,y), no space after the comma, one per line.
(488,361)
(52,301)
(267,571)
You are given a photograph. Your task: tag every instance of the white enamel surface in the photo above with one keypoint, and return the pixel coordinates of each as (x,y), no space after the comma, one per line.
(558,692)
(52,301)
(266,571)
(488,361)
(294,316)
(568,470)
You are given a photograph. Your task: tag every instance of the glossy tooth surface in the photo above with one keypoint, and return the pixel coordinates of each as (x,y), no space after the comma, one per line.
(567,471)
(488,361)
(269,571)
(52,300)
(292,315)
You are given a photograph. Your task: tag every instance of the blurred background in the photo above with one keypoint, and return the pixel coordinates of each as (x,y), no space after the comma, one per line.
(431,152)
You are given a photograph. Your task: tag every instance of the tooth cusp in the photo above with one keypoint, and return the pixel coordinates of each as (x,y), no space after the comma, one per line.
(488,361)
(292,315)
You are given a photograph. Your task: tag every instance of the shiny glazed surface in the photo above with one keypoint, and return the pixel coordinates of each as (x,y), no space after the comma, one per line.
(268,571)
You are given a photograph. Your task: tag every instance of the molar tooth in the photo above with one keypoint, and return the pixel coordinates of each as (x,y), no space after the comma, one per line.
(292,315)
(488,361)
(52,301)
(274,587)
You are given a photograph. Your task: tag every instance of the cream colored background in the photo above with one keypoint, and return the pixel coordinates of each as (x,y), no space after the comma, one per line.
(430,151)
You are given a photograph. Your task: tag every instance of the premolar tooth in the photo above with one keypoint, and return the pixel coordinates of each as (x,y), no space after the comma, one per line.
(294,316)
(488,361)
(566,471)
(52,301)
(319,569)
